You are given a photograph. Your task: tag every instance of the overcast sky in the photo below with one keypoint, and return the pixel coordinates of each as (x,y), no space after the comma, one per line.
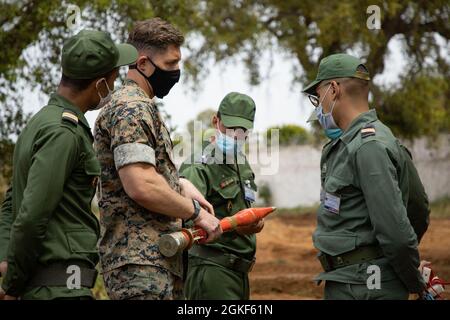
(278,102)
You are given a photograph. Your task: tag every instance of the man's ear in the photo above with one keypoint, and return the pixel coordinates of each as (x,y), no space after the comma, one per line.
(335,89)
(141,62)
(214,121)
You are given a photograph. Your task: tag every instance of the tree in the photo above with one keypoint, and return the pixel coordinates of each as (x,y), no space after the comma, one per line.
(291,134)
(32,33)
(204,117)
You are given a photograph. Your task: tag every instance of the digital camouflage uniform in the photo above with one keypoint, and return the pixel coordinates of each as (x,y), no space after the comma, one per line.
(219,270)
(130,130)
(362,220)
(46,222)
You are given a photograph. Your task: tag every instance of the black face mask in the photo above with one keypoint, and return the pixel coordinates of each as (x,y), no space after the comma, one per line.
(160,80)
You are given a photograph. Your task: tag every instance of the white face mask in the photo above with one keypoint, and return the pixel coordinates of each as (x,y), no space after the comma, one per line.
(103,100)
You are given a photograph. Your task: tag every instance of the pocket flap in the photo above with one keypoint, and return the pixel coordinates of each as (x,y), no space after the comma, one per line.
(335,244)
(92,167)
(82,241)
(228,192)
(333,184)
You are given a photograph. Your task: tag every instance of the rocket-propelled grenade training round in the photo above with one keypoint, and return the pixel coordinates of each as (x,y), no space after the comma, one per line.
(173,243)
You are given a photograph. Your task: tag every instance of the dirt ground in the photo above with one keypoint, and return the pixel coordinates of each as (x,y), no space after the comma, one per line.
(286,262)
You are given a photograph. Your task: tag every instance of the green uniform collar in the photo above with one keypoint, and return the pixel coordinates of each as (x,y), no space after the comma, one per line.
(355,126)
(60,101)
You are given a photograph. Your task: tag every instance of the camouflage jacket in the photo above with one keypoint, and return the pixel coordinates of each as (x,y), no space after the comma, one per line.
(130,130)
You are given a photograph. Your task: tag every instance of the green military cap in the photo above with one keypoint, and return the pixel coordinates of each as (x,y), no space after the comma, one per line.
(338,65)
(237,110)
(90,54)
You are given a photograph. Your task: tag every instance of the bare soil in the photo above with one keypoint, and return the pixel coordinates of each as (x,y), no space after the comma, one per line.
(286,258)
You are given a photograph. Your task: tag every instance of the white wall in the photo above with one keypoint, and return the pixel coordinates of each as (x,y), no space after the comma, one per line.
(297,182)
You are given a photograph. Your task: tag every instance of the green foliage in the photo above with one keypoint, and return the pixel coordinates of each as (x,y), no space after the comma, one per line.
(417,106)
(204,117)
(265,193)
(291,134)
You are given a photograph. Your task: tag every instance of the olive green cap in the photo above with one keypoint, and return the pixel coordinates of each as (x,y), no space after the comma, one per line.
(90,54)
(237,110)
(338,65)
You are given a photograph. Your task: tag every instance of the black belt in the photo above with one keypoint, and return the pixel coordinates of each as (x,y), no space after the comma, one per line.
(58,274)
(357,256)
(222,258)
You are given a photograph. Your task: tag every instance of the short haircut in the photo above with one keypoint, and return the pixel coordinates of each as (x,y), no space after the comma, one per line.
(355,87)
(154,34)
(79,85)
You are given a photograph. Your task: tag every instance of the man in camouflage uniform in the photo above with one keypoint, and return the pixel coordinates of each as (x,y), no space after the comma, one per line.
(220,270)
(140,194)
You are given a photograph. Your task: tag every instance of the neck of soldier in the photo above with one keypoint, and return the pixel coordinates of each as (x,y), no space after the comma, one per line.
(141,81)
(349,112)
(81,101)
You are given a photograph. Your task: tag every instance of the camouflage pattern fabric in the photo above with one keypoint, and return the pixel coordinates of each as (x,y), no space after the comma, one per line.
(130,130)
(137,282)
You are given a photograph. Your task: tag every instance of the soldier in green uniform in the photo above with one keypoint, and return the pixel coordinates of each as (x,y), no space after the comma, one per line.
(368,248)
(48,233)
(220,270)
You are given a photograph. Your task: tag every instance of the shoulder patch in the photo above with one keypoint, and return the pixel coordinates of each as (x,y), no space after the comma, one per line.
(69,115)
(368,130)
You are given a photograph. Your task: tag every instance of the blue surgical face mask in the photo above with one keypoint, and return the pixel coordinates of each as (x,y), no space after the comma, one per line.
(326,120)
(333,133)
(227,144)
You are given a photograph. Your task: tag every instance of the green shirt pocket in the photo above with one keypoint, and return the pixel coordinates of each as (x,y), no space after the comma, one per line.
(228,192)
(335,244)
(82,241)
(92,167)
(334,184)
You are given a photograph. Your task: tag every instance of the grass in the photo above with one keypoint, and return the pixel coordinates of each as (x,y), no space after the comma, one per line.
(441,208)
(300,210)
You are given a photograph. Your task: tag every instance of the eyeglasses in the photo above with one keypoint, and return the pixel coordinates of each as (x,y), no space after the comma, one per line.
(315,99)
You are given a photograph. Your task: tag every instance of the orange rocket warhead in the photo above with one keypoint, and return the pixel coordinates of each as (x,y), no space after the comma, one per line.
(245,217)
(173,243)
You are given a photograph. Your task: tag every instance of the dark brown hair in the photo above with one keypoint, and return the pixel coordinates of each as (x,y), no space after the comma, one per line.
(154,34)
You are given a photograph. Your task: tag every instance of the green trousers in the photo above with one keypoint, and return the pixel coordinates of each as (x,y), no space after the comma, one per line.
(390,290)
(208,281)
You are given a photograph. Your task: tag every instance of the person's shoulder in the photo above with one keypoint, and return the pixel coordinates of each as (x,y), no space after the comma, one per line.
(131,94)
(69,121)
(374,131)
(54,118)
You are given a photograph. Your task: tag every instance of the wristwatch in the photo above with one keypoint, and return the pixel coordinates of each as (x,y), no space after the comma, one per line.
(196,211)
